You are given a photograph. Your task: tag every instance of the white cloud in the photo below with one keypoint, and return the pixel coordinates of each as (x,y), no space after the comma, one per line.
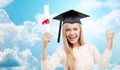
(28,33)
(7,32)
(2,34)
(8,58)
(27,61)
(99,27)
(112,16)
(112,4)
(4,3)
(6,26)
(90,4)
(117,67)
(25,58)
(4,17)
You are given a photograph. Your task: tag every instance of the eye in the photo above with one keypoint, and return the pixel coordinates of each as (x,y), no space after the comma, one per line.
(67,29)
(75,29)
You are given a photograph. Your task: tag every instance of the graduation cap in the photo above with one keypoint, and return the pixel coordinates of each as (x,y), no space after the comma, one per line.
(70,16)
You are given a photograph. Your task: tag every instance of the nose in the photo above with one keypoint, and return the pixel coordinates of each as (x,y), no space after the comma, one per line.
(71,32)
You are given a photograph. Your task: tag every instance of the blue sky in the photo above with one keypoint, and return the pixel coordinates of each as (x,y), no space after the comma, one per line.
(21,29)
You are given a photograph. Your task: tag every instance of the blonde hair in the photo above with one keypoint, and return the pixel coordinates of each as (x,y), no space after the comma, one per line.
(70,59)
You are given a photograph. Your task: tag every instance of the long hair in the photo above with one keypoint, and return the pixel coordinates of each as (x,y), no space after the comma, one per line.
(70,58)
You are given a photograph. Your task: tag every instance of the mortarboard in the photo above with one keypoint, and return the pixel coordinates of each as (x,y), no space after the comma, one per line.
(70,16)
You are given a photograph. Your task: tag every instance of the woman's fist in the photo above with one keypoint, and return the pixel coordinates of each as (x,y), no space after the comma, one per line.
(110,35)
(46,39)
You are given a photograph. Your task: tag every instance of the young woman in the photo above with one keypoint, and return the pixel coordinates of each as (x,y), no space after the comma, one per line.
(76,54)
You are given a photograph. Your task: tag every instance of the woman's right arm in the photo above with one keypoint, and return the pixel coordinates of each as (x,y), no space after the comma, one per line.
(46,40)
(44,62)
(55,59)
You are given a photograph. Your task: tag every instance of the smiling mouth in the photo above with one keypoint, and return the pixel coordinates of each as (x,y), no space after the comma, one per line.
(72,38)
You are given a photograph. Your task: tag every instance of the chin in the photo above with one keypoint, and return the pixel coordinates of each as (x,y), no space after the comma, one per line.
(73,42)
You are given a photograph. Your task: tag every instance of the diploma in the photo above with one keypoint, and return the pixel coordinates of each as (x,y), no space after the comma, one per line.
(46,22)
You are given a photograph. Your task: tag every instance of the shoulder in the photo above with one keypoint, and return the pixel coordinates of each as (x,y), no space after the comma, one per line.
(60,51)
(91,46)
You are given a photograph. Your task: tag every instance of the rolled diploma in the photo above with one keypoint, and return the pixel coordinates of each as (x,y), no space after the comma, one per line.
(46,11)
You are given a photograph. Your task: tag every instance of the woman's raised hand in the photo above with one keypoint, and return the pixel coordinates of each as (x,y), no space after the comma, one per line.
(46,39)
(109,35)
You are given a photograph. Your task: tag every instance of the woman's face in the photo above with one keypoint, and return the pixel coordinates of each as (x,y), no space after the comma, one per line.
(73,32)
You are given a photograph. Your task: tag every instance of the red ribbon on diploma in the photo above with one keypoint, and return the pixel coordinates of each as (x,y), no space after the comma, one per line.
(46,21)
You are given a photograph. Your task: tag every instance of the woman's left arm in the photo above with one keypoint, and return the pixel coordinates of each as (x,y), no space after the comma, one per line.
(109,35)
(103,60)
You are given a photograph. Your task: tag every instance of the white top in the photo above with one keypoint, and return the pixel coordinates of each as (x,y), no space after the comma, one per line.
(85,55)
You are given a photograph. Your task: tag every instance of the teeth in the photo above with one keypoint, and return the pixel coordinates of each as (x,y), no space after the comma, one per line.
(72,37)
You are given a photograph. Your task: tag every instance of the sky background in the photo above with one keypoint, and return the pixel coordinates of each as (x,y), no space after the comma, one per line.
(21,30)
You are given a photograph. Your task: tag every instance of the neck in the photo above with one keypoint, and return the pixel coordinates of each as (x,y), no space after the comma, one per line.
(76,44)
